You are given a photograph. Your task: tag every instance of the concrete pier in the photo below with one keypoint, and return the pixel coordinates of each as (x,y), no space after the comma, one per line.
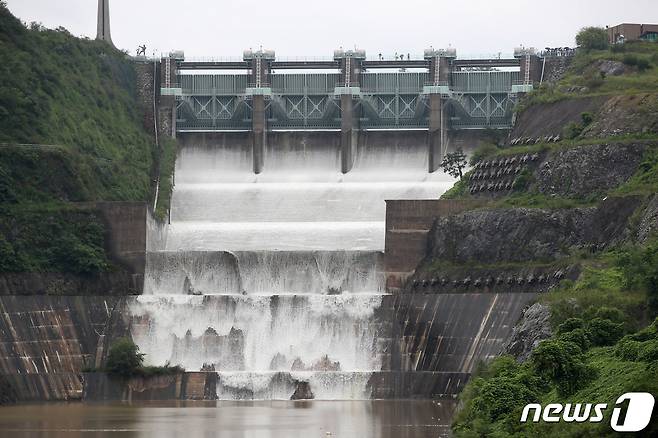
(258,134)
(349,90)
(259,91)
(436,133)
(349,133)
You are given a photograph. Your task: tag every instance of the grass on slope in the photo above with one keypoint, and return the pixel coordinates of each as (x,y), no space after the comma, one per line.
(584,78)
(60,90)
(71,130)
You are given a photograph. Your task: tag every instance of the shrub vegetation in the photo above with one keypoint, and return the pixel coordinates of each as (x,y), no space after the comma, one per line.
(70,131)
(125,361)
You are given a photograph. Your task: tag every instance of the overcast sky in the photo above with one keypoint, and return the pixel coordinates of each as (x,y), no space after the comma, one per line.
(315,28)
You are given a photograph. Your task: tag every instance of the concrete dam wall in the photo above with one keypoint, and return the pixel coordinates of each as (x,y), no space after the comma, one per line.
(276,283)
(438,335)
(52,325)
(274,280)
(47,341)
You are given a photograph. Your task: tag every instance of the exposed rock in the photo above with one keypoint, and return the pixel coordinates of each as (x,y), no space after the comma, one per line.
(533,328)
(624,115)
(649,222)
(549,119)
(524,234)
(611,68)
(298,365)
(588,170)
(189,289)
(279,362)
(556,67)
(613,115)
(303,392)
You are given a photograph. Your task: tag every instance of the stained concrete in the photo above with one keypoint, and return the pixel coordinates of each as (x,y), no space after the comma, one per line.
(180,386)
(45,342)
(437,337)
(408,223)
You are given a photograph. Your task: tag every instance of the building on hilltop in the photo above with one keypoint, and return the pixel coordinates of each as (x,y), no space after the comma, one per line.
(632,32)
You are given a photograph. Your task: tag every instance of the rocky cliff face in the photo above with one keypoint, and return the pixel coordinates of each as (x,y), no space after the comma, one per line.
(612,116)
(583,172)
(588,170)
(533,328)
(489,236)
(519,252)
(623,115)
(549,119)
(649,222)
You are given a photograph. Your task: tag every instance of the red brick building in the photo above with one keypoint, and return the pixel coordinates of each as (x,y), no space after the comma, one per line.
(632,32)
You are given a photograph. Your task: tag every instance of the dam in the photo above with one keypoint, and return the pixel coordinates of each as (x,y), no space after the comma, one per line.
(275,280)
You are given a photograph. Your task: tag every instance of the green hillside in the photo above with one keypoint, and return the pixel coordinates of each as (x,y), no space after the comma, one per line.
(79,95)
(605,331)
(70,131)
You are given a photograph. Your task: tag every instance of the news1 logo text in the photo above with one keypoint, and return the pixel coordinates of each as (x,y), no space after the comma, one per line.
(633,417)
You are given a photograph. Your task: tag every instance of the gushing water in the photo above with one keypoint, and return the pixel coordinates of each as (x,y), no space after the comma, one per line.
(275,280)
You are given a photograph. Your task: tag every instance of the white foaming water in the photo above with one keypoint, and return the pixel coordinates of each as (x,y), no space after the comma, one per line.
(275,280)
(251,340)
(300,201)
(263,272)
(276,236)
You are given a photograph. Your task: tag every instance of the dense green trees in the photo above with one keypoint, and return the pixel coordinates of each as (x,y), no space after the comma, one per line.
(592,38)
(52,239)
(74,101)
(81,95)
(640,269)
(596,354)
(124,359)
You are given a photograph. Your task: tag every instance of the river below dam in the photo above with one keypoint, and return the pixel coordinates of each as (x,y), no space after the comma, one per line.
(230,419)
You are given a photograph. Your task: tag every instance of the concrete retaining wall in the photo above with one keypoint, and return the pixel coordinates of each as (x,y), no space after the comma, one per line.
(408,224)
(183,386)
(45,342)
(437,339)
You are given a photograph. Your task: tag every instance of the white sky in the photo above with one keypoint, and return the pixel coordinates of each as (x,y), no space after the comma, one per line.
(224,28)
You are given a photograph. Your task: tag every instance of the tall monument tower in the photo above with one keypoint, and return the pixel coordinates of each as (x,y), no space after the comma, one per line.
(104,21)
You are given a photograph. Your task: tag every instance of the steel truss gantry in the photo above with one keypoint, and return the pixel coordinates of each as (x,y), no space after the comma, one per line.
(220,102)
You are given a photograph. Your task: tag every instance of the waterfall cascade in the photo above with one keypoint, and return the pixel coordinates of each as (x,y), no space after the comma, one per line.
(275,280)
